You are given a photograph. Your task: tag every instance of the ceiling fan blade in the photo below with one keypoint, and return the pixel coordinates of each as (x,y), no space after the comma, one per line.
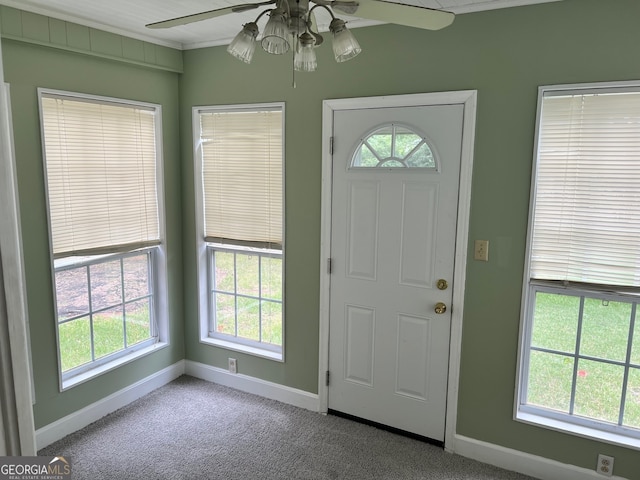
(196,17)
(345,6)
(401,14)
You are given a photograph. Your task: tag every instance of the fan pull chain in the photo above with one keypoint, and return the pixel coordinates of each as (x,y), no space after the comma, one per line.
(293,61)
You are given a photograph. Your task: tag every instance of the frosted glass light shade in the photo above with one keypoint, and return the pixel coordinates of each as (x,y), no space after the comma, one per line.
(244,44)
(345,45)
(275,38)
(305,58)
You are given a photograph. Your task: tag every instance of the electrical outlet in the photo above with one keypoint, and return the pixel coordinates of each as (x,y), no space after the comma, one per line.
(481,250)
(605,465)
(233,365)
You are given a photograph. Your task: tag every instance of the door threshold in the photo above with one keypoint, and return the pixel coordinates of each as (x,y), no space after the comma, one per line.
(381,426)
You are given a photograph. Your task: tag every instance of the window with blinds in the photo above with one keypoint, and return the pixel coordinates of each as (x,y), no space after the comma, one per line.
(242,177)
(580,346)
(239,169)
(100,160)
(103,171)
(586,224)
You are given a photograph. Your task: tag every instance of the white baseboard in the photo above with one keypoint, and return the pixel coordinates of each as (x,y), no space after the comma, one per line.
(507,458)
(274,391)
(89,414)
(526,463)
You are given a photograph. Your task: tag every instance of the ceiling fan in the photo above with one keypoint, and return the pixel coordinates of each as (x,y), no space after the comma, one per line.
(293,22)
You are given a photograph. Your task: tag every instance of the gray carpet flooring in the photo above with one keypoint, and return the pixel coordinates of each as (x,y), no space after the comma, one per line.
(191,429)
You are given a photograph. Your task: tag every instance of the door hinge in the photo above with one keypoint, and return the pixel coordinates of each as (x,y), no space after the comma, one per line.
(331,145)
(326,379)
(329,265)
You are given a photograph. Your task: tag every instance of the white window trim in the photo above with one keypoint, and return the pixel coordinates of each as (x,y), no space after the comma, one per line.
(202,269)
(586,428)
(159,268)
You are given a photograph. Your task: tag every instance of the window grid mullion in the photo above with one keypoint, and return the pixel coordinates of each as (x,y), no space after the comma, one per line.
(413,151)
(124,310)
(393,142)
(92,343)
(576,357)
(625,381)
(244,295)
(211,297)
(235,291)
(259,298)
(582,357)
(375,153)
(103,309)
(151,290)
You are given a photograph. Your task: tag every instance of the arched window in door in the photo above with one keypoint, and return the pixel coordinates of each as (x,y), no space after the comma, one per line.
(394,146)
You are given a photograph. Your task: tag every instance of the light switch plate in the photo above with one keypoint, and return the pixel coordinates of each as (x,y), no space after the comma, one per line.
(481,250)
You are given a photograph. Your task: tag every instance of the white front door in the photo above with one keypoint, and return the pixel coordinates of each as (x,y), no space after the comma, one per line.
(393,237)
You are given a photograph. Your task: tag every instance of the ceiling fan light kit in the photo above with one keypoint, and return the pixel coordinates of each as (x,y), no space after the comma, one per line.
(292,23)
(295,24)
(305,58)
(244,45)
(345,45)
(275,38)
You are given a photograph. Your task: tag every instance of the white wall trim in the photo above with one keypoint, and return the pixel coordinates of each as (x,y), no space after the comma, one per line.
(525,463)
(89,414)
(13,282)
(256,386)
(468,98)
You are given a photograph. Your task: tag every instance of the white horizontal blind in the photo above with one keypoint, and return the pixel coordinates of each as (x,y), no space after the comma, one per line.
(242,162)
(587,206)
(101,175)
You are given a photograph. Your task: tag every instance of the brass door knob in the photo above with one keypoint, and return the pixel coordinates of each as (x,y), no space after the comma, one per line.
(440,308)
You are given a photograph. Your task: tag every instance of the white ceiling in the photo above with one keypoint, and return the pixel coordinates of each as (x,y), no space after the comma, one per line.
(127,17)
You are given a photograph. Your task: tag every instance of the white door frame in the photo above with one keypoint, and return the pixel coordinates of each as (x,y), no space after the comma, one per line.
(15,320)
(468,98)
(19,431)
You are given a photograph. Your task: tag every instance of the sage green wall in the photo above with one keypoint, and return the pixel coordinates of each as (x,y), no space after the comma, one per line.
(28,66)
(504,54)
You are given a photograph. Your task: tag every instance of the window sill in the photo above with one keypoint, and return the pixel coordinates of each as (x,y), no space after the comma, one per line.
(239,347)
(579,430)
(107,367)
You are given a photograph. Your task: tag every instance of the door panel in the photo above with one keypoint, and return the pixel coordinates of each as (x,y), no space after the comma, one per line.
(412,376)
(417,243)
(393,237)
(362,253)
(360,326)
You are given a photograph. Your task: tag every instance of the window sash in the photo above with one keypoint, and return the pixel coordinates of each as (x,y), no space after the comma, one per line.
(150,296)
(261,342)
(586,219)
(101,174)
(242,176)
(576,355)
